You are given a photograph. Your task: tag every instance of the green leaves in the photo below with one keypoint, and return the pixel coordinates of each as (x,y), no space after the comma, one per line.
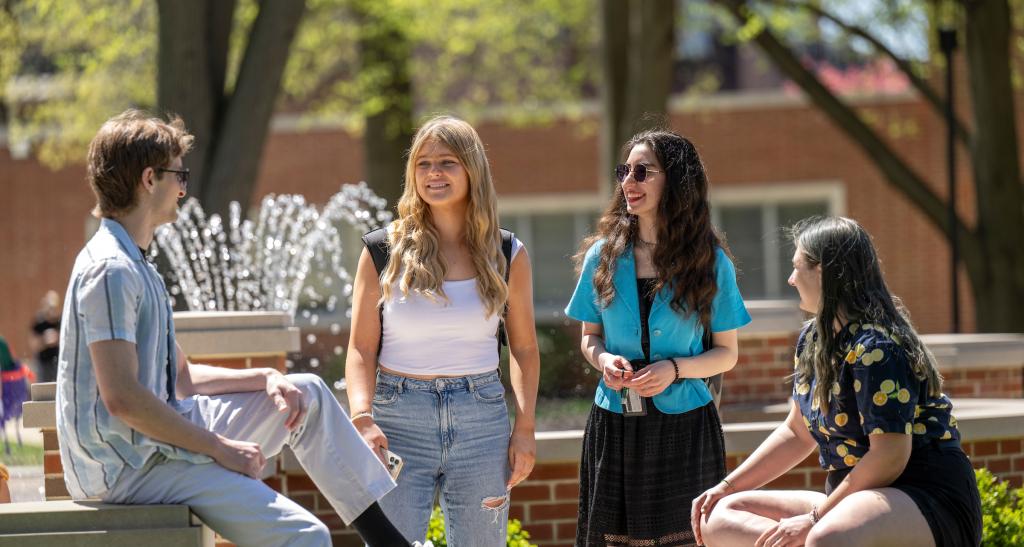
(1002,511)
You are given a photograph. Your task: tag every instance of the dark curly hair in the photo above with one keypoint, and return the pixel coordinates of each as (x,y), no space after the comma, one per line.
(684,257)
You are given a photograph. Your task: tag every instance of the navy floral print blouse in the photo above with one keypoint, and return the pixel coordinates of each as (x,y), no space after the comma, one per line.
(876,392)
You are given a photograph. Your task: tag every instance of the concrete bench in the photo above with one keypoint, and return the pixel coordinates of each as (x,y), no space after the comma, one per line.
(60,521)
(95,524)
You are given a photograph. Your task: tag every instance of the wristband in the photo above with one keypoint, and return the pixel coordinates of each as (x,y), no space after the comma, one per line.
(361,415)
(675,365)
(814,515)
(727,483)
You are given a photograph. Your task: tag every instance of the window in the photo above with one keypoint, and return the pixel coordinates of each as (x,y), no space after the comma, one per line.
(551,238)
(754,222)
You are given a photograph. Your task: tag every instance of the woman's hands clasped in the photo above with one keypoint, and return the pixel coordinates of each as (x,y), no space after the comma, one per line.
(649,381)
(615,369)
(652,379)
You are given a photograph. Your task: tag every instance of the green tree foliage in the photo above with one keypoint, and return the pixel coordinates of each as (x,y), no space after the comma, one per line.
(80,61)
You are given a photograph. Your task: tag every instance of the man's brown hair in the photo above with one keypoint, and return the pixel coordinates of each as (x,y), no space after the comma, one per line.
(123,148)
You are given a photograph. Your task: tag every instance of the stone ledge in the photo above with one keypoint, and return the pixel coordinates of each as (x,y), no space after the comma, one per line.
(781,317)
(973,351)
(173,537)
(80,516)
(230,334)
(979,419)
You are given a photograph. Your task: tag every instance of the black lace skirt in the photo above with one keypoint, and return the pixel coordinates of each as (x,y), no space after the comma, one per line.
(639,475)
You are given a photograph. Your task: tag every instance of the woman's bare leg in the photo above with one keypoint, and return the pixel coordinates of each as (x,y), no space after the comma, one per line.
(873,518)
(741,518)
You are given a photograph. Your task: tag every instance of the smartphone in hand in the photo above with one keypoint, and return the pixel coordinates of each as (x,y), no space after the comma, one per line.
(394,463)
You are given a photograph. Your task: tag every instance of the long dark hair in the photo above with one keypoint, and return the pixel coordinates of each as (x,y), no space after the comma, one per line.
(852,289)
(684,257)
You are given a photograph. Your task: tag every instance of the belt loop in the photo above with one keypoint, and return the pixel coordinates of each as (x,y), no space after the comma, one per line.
(401,384)
(472,386)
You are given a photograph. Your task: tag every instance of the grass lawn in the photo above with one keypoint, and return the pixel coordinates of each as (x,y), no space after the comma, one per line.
(25,454)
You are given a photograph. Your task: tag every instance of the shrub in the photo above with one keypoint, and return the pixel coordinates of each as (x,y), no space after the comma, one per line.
(515,537)
(1002,511)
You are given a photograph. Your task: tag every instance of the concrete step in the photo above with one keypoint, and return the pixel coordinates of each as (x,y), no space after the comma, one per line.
(170,537)
(39,414)
(44,391)
(88,516)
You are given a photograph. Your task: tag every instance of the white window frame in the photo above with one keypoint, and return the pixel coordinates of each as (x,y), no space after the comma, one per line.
(523,207)
(832,192)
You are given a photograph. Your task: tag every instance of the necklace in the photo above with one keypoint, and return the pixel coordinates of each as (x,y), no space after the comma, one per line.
(646,243)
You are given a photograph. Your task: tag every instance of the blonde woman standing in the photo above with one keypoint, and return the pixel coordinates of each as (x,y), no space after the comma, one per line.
(422,366)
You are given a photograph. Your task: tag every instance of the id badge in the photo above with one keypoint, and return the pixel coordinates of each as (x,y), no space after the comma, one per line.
(632,403)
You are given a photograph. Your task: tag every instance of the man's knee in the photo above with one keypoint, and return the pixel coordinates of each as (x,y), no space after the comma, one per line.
(310,384)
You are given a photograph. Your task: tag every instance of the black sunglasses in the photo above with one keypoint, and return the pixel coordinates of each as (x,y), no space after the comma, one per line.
(639,172)
(181,175)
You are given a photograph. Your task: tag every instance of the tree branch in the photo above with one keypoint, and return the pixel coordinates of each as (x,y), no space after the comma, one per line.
(922,86)
(899,174)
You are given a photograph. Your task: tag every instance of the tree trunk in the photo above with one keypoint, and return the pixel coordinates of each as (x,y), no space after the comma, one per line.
(242,130)
(998,281)
(637,47)
(184,84)
(384,51)
(614,20)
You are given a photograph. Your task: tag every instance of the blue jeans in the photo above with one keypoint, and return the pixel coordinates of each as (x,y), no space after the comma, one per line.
(453,435)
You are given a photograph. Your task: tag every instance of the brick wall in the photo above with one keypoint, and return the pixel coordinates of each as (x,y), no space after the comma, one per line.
(769,142)
(984,382)
(762,367)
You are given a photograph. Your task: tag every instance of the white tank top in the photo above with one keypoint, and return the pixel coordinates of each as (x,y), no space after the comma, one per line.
(453,338)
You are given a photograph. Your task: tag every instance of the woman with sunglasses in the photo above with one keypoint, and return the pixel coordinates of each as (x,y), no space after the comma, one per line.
(436,398)
(653,279)
(867,396)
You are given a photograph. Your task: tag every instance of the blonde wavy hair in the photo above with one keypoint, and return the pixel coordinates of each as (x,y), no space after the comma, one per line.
(414,238)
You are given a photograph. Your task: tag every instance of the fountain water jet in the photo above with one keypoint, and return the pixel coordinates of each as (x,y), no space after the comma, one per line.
(264,264)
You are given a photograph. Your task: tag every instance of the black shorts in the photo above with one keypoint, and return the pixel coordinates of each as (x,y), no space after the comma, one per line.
(940,480)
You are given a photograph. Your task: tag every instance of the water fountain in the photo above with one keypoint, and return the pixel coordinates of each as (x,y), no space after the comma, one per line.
(288,258)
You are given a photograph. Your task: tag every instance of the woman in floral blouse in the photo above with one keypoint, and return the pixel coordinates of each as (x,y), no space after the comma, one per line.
(867,396)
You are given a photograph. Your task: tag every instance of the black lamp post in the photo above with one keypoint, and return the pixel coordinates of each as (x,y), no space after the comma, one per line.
(947,42)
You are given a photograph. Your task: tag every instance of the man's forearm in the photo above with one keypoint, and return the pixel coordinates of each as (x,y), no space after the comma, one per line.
(211,380)
(145,413)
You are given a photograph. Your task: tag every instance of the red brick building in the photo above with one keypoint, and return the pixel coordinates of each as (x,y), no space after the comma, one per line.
(771,157)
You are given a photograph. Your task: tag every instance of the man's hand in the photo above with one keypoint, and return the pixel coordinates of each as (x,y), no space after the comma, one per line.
(615,369)
(522,452)
(287,398)
(240,456)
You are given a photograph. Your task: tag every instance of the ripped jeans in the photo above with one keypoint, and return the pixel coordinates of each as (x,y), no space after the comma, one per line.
(453,435)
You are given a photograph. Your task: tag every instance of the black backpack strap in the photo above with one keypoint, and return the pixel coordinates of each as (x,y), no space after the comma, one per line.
(377,243)
(507,239)
(380,251)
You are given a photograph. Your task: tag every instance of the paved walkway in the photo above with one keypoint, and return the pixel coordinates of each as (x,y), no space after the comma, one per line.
(26,480)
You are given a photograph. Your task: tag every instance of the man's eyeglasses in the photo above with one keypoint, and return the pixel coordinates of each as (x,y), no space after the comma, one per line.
(181,175)
(639,172)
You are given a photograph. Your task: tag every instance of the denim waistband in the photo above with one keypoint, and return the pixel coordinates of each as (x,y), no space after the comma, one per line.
(448,383)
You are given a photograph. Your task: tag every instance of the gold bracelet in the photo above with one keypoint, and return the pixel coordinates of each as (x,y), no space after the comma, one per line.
(361,415)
